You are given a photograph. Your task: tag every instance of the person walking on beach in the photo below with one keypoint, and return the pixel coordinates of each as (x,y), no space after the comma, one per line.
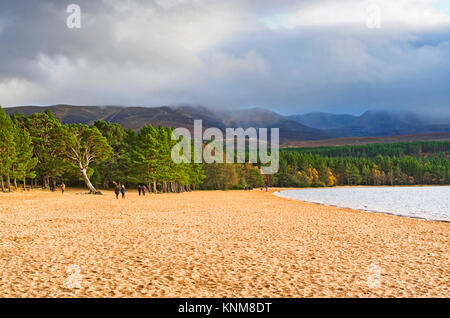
(117,190)
(123,191)
(139,189)
(63,187)
(144,189)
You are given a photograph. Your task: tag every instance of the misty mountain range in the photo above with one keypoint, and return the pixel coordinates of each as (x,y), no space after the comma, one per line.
(310,126)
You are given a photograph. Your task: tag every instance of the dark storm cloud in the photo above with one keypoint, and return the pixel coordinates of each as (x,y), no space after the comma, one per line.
(222,54)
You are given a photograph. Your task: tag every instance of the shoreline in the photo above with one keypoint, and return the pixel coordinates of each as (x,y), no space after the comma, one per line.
(361,210)
(278,194)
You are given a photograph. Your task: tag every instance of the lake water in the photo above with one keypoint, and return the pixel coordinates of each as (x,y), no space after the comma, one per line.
(430,203)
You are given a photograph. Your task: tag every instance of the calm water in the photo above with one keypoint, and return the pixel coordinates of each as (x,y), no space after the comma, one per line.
(431,203)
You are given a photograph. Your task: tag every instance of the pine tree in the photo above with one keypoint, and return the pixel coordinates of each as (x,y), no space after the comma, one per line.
(7,148)
(23,162)
(47,137)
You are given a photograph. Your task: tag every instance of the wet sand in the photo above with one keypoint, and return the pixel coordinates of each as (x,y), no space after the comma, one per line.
(213,244)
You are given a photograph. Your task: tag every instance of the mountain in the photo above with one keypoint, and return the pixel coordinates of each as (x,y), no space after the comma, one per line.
(257,117)
(68,114)
(383,123)
(324,120)
(371,123)
(311,126)
(180,116)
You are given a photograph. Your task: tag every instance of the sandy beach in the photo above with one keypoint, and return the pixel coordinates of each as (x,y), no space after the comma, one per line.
(213,244)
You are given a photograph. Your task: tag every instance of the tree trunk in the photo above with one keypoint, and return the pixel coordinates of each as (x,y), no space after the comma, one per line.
(46,182)
(154,186)
(87,181)
(24,183)
(3,185)
(15,183)
(8,183)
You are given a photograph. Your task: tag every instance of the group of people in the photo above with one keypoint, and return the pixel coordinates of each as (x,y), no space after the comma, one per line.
(62,186)
(119,189)
(250,188)
(142,189)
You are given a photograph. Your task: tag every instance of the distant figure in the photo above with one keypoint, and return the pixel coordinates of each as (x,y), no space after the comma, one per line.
(266,188)
(52,187)
(144,189)
(117,190)
(123,191)
(139,189)
(63,187)
(245,188)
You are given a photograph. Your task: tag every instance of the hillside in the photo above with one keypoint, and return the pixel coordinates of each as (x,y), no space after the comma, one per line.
(324,120)
(183,116)
(351,141)
(372,123)
(296,130)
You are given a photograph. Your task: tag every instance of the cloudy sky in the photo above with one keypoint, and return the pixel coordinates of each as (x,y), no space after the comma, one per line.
(290,56)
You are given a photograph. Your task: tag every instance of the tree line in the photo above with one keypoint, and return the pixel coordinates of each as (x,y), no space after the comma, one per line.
(369,165)
(38,150)
(396,149)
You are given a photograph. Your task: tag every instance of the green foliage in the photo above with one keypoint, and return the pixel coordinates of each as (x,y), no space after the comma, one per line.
(334,166)
(396,149)
(254,178)
(41,148)
(24,162)
(117,165)
(16,151)
(7,146)
(152,163)
(47,139)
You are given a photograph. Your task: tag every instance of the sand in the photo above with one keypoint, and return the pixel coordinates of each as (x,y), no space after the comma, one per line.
(213,244)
